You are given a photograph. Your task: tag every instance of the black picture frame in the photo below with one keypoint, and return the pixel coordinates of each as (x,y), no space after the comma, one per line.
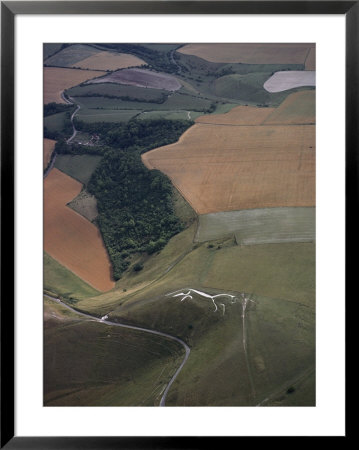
(9,9)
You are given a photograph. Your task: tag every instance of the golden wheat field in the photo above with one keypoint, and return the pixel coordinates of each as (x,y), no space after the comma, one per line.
(240,115)
(109,61)
(224,168)
(57,79)
(49,146)
(249,53)
(71,239)
(297,108)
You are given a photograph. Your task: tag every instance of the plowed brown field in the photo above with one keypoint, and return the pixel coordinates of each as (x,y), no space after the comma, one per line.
(249,53)
(224,168)
(109,61)
(297,108)
(57,79)
(241,115)
(49,146)
(71,239)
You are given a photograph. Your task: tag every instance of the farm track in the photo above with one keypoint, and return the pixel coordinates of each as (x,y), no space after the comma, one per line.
(72,119)
(132,327)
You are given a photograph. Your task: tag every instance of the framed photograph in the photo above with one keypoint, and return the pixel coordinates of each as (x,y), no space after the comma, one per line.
(176,181)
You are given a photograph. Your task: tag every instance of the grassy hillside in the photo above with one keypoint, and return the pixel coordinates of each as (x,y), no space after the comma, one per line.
(247,88)
(222,370)
(283,271)
(91,364)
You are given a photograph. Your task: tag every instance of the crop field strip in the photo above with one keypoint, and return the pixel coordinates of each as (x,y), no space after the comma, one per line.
(71,239)
(240,115)
(58,79)
(249,53)
(259,226)
(109,61)
(117,90)
(143,78)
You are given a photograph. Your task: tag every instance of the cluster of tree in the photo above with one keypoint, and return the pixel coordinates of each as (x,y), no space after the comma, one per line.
(54,108)
(142,135)
(134,204)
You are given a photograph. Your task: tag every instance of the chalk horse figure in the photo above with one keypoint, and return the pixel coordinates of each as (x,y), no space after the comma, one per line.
(188,294)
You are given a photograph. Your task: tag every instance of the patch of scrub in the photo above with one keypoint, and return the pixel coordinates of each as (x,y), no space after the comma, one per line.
(85,204)
(259,226)
(282,81)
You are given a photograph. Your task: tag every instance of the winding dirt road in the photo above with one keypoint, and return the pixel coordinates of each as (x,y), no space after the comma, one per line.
(72,120)
(131,327)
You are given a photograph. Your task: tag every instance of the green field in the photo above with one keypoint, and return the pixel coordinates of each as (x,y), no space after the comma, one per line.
(70,55)
(259,226)
(63,282)
(106,115)
(79,167)
(174,102)
(117,90)
(55,122)
(247,88)
(92,364)
(170,115)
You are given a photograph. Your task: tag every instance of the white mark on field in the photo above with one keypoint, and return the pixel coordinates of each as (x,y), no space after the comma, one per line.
(191,291)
